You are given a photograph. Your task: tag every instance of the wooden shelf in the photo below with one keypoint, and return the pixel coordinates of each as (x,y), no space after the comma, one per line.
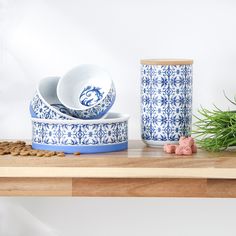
(139,171)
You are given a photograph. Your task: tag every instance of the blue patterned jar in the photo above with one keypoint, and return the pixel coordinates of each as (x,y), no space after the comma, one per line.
(166,100)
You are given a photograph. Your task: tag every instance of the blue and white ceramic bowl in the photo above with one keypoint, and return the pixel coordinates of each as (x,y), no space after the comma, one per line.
(166,100)
(87,91)
(91,136)
(45,103)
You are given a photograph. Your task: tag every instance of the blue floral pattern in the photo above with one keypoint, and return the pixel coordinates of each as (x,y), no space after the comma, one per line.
(79,134)
(43,111)
(61,108)
(166,102)
(99,110)
(91,95)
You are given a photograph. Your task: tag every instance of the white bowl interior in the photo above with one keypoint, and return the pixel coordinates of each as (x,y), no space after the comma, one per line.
(47,88)
(83,87)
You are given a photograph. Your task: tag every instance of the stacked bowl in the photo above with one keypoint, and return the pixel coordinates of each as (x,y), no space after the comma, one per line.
(70,113)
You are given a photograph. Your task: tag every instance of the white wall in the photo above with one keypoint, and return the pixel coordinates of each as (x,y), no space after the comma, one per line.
(41,38)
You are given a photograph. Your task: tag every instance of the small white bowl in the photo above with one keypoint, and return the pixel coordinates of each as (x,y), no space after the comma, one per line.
(84,136)
(45,103)
(87,91)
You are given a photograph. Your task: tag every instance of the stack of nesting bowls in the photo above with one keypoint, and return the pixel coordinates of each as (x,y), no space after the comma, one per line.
(70,113)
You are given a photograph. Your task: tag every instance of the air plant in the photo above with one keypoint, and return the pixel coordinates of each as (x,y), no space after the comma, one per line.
(216,129)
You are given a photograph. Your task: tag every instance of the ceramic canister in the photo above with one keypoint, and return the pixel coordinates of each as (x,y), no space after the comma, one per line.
(166,100)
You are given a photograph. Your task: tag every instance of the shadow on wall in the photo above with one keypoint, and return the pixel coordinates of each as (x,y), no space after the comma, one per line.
(17,221)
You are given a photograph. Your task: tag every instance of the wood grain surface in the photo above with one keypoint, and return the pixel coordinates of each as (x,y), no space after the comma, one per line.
(200,188)
(140,171)
(35,187)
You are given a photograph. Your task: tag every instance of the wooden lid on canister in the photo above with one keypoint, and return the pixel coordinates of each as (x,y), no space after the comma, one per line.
(166,61)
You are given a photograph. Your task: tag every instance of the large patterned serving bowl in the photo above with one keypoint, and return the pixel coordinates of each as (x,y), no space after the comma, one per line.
(87,136)
(87,91)
(45,103)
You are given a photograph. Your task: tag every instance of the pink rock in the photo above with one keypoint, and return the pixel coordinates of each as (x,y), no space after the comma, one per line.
(182,138)
(187,151)
(186,142)
(186,147)
(169,148)
(179,150)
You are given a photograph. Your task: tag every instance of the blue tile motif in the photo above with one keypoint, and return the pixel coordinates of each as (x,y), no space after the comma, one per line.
(44,111)
(79,134)
(91,95)
(99,110)
(166,102)
(61,112)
